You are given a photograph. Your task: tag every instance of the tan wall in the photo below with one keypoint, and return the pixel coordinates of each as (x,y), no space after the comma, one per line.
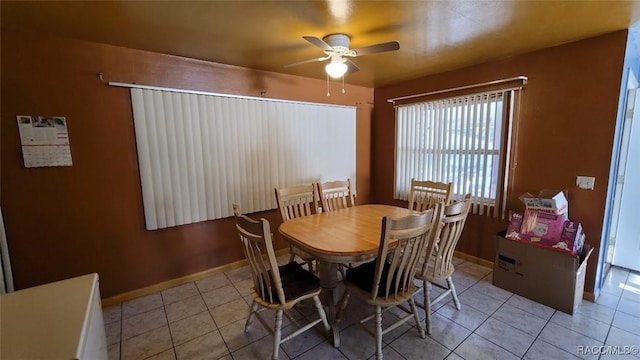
(67,221)
(566,128)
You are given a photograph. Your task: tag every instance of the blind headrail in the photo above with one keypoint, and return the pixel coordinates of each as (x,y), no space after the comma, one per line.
(197,92)
(521,78)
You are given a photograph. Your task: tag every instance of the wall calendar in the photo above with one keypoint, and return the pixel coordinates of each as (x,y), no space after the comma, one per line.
(45,141)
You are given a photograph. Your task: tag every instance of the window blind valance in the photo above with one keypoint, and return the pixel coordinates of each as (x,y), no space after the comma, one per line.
(199,153)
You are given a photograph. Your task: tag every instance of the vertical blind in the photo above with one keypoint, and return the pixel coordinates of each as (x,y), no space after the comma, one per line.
(463,140)
(198,153)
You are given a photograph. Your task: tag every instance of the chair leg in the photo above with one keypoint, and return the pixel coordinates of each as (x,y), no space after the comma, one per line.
(453,293)
(414,309)
(427,304)
(323,315)
(378,333)
(277,335)
(252,315)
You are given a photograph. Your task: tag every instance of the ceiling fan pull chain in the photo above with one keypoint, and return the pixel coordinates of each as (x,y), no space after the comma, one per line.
(328,94)
(343,91)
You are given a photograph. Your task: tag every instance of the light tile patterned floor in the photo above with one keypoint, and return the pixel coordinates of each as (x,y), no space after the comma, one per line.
(205,320)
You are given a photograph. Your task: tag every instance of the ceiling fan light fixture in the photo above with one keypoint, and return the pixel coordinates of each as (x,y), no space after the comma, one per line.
(336,69)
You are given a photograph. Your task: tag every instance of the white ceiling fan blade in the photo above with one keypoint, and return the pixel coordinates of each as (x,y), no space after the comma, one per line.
(351,66)
(307,61)
(318,42)
(377,48)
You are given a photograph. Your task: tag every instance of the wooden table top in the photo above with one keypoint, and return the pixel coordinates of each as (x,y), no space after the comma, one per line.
(351,234)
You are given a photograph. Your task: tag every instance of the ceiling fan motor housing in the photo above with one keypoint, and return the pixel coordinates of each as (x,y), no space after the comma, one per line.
(339,42)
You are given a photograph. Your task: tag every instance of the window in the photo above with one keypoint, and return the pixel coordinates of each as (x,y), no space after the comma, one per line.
(463,140)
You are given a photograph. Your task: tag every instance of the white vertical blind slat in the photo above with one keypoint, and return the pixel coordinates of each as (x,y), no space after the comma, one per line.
(144,161)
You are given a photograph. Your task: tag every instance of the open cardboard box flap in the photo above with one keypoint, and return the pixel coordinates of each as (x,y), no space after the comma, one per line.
(547,200)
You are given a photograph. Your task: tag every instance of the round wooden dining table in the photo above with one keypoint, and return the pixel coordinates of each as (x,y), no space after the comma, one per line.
(339,237)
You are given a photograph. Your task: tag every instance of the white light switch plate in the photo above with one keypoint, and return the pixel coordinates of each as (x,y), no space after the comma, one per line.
(585,182)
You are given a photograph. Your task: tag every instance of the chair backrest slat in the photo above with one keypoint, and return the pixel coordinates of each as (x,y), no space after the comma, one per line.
(402,243)
(426,195)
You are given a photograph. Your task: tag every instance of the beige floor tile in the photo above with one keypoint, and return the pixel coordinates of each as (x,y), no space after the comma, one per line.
(145,345)
(142,323)
(179,293)
(566,339)
(520,319)
(113,332)
(356,343)
(467,316)
(261,349)
(212,282)
(506,336)
(486,287)
(302,342)
(230,312)
(220,296)
(627,322)
(207,346)
(447,332)
(141,304)
(185,308)
(191,327)
(480,301)
(595,311)
(629,306)
(235,337)
(531,306)
(325,351)
(582,324)
(476,347)
(541,350)
(112,314)
(607,300)
(244,286)
(239,274)
(475,270)
(113,351)
(165,355)
(411,346)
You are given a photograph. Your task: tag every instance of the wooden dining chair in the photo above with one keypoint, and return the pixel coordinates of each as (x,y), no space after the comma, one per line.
(296,201)
(437,264)
(335,195)
(425,195)
(387,282)
(276,287)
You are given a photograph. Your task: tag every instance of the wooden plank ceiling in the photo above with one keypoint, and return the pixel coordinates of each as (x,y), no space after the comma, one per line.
(434,36)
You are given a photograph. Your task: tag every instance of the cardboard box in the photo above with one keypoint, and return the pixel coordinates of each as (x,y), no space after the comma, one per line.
(549,201)
(550,277)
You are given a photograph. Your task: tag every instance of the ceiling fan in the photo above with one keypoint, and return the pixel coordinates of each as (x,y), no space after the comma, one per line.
(336,48)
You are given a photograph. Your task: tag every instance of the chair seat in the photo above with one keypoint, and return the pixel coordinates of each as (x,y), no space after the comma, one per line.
(296,282)
(363,277)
